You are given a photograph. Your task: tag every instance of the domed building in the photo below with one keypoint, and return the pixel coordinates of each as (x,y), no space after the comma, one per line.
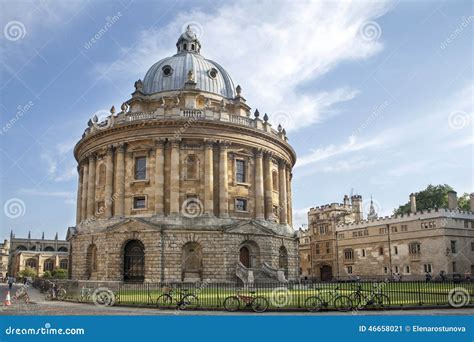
(184,183)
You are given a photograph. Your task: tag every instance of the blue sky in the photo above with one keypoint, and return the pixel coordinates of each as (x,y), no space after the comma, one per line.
(376,97)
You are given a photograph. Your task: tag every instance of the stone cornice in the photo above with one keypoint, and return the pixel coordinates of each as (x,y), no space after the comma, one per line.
(171,124)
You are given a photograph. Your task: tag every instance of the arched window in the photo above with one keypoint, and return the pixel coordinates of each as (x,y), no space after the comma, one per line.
(134,261)
(63,264)
(91,259)
(21,248)
(192,164)
(48,265)
(31,263)
(192,47)
(62,249)
(283,259)
(49,249)
(191,263)
(33,248)
(275,180)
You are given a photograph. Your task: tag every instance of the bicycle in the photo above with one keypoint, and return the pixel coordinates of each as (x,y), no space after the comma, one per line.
(256,303)
(374,299)
(340,302)
(185,300)
(56,292)
(86,294)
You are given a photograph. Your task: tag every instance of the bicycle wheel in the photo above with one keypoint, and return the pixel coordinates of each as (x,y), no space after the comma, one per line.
(164,301)
(381,301)
(48,296)
(259,304)
(313,304)
(232,303)
(342,303)
(355,298)
(190,302)
(61,294)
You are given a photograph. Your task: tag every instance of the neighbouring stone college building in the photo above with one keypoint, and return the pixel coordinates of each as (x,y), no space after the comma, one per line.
(184,183)
(40,254)
(339,243)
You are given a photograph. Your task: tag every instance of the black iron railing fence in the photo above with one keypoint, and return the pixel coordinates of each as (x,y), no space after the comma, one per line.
(291,296)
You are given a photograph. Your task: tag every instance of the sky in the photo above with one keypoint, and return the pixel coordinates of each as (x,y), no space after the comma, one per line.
(376,97)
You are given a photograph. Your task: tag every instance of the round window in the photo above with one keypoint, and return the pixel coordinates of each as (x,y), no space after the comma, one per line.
(167,70)
(212,73)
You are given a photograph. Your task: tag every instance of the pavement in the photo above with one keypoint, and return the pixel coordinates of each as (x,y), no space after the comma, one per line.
(39,306)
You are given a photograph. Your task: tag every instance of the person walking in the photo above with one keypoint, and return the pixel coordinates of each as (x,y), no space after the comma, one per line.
(11,280)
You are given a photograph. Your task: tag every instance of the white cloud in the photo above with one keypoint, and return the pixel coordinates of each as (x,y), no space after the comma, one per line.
(300,217)
(58,162)
(352,145)
(272,51)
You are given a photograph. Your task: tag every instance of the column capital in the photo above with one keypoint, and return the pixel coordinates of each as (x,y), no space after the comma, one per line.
(282,163)
(121,147)
(174,142)
(209,143)
(159,142)
(258,152)
(110,150)
(268,154)
(224,144)
(92,156)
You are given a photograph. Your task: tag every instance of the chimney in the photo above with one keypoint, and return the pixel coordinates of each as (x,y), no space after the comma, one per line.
(357,207)
(452,200)
(346,201)
(412,203)
(472,202)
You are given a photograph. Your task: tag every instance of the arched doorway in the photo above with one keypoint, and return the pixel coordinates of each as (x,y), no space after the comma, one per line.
(326,273)
(134,261)
(244,256)
(191,264)
(283,260)
(91,261)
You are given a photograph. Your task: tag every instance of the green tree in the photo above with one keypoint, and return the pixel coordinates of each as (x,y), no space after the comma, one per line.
(464,202)
(434,196)
(27,272)
(59,273)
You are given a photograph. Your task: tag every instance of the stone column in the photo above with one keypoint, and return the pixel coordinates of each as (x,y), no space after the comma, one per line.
(223,180)
(79,195)
(120,181)
(259,189)
(208,178)
(109,181)
(289,196)
(91,186)
(268,186)
(85,178)
(159,176)
(174,177)
(282,191)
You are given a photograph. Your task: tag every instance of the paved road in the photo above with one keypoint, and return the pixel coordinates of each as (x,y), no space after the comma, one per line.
(41,307)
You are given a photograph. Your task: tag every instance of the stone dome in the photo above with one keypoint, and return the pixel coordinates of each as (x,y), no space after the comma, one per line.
(173,72)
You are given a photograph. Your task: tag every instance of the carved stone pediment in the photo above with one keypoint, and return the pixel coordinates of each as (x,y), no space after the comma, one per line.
(248,227)
(132,225)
